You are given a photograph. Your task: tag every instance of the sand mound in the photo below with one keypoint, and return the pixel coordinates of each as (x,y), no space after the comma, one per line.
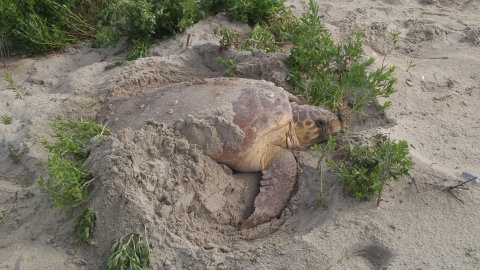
(186,200)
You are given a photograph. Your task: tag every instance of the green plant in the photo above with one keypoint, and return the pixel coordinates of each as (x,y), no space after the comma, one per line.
(29,194)
(332,74)
(261,38)
(14,155)
(391,45)
(133,254)
(74,136)
(354,222)
(140,48)
(107,37)
(321,201)
(42,26)
(281,26)
(143,21)
(84,226)
(62,100)
(229,37)
(249,11)
(369,167)
(26,183)
(68,182)
(229,65)
(6,212)
(322,152)
(12,86)
(4,50)
(7,120)
(410,65)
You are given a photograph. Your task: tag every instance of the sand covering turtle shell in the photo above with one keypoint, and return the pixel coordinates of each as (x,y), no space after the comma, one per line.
(151,177)
(191,205)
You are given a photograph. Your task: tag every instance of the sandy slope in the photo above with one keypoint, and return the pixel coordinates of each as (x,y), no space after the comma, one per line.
(193,207)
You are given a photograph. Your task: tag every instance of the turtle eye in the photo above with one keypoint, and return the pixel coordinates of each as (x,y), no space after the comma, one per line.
(319,123)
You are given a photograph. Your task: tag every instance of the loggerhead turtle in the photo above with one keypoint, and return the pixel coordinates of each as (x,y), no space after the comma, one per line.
(245,124)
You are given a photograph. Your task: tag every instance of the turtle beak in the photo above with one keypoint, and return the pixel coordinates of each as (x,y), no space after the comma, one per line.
(334,126)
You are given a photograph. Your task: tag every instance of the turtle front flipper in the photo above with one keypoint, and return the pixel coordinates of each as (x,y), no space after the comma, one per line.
(277,184)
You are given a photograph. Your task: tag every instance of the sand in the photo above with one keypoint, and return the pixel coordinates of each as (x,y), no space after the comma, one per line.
(192,206)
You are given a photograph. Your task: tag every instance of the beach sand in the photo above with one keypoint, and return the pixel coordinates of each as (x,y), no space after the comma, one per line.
(192,206)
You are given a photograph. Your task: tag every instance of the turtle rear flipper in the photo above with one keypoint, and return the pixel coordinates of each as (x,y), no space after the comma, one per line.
(277,184)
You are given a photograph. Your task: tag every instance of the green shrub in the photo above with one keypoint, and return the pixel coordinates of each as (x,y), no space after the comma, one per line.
(369,167)
(68,182)
(74,136)
(42,26)
(134,254)
(84,226)
(145,20)
(107,37)
(229,65)
(249,11)
(261,38)
(327,73)
(229,37)
(256,11)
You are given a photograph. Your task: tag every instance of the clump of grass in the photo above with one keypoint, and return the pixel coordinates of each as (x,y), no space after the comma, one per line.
(62,100)
(249,11)
(6,212)
(43,26)
(68,182)
(261,38)
(13,86)
(132,254)
(14,155)
(26,183)
(7,120)
(85,225)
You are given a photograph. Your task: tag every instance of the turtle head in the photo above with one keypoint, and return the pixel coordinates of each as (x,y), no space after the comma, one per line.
(313,124)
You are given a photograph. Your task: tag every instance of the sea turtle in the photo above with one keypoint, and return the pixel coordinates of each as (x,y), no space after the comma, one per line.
(245,124)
